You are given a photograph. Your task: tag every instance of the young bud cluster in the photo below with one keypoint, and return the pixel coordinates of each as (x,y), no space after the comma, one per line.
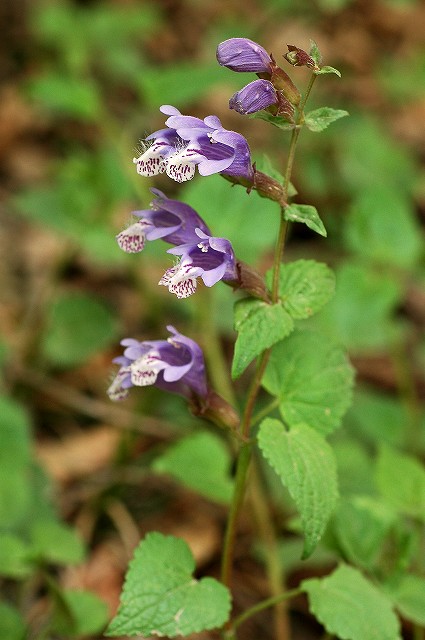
(273,91)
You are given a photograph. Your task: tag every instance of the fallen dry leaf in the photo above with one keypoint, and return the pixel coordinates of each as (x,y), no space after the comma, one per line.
(78,455)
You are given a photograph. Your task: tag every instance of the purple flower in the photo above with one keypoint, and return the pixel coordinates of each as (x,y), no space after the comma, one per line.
(255,96)
(175,365)
(211,259)
(242,54)
(171,220)
(164,142)
(192,142)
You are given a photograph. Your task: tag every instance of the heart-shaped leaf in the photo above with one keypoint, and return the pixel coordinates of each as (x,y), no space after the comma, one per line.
(350,607)
(162,598)
(312,378)
(306,465)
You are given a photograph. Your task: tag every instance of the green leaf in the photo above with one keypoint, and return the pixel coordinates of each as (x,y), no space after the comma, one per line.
(14,462)
(360,313)
(78,327)
(314,52)
(350,607)
(65,95)
(14,556)
(365,138)
(202,463)
(378,215)
(305,463)
(307,214)
(252,224)
(278,121)
(361,526)
(305,286)
(355,466)
(378,418)
(12,625)
(172,84)
(162,598)
(408,596)
(311,376)
(320,119)
(260,326)
(327,69)
(407,494)
(85,614)
(56,542)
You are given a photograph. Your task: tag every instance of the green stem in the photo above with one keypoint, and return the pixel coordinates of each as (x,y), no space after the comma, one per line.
(274,569)
(265,411)
(264,604)
(243,461)
(280,245)
(245,450)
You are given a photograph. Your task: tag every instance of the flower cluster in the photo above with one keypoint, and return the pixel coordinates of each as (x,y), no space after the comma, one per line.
(172,221)
(190,142)
(187,142)
(175,364)
(274,90)
(211,259)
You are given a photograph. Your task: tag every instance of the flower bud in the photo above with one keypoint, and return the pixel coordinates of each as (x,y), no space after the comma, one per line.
(299,58)
(242,54)
(255,96)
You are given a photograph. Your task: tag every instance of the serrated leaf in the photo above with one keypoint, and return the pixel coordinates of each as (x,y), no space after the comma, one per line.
(307,214)
(202,463)
(56,542)
(408,595)
(407,495)
(86,614)
(320,119)
(311,376)
(351,607)
(259,326)
(305,286)
(78,326)
(278,121)
(305,463)
(162,598)
(327,69)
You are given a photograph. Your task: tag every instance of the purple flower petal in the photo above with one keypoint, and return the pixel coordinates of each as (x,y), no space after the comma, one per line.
(255,96)
(242,54)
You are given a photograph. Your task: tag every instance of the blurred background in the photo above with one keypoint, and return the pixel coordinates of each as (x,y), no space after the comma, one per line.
(80,85)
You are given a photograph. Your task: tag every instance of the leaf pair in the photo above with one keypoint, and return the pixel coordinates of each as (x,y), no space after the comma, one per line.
(304,287)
